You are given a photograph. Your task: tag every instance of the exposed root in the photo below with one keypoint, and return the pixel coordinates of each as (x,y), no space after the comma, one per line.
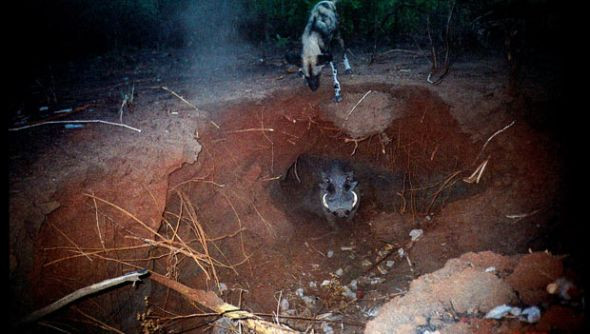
(211,301)
(356,142)
(448,182)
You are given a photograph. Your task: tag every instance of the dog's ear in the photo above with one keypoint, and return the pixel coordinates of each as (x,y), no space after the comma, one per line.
(324,58)
(293,58)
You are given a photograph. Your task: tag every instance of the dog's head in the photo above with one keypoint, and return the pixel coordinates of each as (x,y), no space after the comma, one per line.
(312,66)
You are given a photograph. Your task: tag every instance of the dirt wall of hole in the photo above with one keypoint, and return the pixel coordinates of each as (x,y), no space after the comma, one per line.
(232,187)
(234,184)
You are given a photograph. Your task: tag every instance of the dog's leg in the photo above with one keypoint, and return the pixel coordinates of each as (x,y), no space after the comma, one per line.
(337,96)
(347,68)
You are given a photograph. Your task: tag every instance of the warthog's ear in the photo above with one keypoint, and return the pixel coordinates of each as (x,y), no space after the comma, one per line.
(324,58)
(293,58)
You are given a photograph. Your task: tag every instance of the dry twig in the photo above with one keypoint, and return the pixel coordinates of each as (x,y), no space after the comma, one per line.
(492,136)
(74,121)
(180,97)
(356,105)
(476,176)
(133,277)
(250,130)
(189,104)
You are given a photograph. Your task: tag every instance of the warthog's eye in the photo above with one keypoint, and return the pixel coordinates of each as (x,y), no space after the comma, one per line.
(347,212)
(334,213)
(347,187)
(331,189)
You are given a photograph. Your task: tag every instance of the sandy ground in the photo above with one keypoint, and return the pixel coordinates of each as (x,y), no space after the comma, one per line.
(209,160)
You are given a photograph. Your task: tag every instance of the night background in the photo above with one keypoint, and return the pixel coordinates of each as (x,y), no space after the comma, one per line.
(203,118)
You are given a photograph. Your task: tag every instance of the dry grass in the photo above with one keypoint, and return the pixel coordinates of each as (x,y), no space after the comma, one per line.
(180,238)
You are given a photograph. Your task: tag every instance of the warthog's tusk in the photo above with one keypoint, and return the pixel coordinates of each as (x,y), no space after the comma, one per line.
(324,202)
(355,200)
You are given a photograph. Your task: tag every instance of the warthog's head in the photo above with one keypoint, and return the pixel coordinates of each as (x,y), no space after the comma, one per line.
(338,192)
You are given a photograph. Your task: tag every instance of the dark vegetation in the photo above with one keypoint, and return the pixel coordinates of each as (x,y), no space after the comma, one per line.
(61,30)
(49,38)
(46,33)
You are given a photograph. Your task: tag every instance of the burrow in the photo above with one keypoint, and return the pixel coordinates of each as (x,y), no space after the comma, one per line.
(409,155)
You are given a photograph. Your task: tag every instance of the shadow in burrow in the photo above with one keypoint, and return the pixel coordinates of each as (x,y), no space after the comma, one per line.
(408,155)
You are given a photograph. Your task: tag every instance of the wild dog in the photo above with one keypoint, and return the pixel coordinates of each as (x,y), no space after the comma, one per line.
(320,33)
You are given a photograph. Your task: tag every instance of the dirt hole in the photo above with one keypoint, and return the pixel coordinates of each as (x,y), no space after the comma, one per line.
(408,155)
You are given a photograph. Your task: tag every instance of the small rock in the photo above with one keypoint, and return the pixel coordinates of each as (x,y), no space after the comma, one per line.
(330,253)
(415,234)
(366,263)
(309,301)
(339,272)
(284,304)
(376,280)
(420,320)
(327,328)
(348,293)
(390,263)
(370,312)
(325,283)
(299,292)
(552,288)
(498,312)
(563,287)
(222,288)
(313,284)
(516,311)
(531,314)
(490,269)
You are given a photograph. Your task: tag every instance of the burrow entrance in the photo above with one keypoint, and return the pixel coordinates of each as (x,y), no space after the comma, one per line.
(412,161)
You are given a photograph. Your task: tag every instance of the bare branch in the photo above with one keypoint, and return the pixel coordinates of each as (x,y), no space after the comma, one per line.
(74,121)
(133,277)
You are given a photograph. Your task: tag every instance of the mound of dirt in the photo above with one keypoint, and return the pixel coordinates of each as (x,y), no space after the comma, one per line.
(455,298)
(363,114)
(93,203)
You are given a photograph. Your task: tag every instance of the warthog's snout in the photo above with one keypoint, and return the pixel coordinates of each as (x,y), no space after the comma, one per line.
(338,193)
